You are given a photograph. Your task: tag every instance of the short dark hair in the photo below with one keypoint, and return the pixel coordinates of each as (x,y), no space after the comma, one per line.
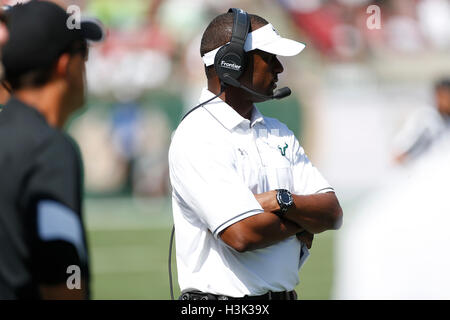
(219,33)
(33,79)
(40,76)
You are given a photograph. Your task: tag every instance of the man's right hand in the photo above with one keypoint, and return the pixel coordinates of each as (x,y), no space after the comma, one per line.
(268,201)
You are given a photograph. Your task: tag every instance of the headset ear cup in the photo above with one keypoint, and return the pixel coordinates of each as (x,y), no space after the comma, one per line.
(217,59)
(230,61)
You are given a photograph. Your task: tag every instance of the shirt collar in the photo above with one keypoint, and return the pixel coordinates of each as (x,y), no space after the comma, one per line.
(257,117)
(16,105)
(225,114)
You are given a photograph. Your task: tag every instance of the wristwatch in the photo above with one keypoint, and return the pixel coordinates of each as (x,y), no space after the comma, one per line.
(285,200)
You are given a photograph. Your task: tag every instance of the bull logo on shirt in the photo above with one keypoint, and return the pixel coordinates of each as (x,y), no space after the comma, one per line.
(283,150)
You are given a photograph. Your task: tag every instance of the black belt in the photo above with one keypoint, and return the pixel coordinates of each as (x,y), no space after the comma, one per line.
(197,295)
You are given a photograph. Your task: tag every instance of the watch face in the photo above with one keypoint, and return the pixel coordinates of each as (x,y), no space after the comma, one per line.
(285,197)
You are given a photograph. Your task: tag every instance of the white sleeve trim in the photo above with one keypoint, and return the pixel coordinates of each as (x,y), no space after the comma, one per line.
(238,218)
(324,190)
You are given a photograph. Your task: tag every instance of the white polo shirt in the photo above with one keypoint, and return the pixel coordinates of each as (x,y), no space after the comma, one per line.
(218,160)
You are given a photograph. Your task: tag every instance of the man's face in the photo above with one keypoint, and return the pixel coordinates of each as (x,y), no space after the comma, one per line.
(262,73)
(77,81)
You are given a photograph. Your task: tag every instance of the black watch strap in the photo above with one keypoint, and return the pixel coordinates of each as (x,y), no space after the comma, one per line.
(285,200)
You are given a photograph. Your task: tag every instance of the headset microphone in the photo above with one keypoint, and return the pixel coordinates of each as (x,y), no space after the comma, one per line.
(281,93)
(278,94)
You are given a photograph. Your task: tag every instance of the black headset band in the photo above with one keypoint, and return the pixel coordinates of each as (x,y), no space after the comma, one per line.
(241,25)
(230,60)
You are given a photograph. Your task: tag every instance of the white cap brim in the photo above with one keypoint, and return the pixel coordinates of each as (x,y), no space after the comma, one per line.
(266,39)
(283,47)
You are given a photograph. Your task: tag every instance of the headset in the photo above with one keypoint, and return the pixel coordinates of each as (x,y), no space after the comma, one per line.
(230,63)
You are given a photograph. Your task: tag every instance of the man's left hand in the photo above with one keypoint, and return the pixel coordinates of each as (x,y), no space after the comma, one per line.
(306,238)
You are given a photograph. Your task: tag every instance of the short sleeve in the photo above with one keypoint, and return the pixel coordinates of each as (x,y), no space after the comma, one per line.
(55,175)
(58,242)
(204,176)
(51,198)
(307,178)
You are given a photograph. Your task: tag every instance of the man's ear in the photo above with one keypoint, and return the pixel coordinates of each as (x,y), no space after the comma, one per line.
(61,68)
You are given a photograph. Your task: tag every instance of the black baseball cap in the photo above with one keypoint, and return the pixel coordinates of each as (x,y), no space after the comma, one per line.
(39,32)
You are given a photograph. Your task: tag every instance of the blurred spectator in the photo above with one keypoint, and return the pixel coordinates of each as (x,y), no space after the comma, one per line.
(125,150)
(396,247)
(425,125)
(105,170)
(150,173)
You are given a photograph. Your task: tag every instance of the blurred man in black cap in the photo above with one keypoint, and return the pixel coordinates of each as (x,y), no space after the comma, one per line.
(43,252)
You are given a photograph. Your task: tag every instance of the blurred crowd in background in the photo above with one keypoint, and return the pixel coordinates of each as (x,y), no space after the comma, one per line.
(354,86)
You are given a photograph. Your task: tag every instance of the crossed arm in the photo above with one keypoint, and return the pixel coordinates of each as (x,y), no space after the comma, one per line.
(310,214)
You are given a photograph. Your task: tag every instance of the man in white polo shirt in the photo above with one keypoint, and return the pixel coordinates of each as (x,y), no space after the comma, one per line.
(246,199)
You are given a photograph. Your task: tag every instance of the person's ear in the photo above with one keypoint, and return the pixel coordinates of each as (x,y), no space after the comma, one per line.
(4,35)
(62,65)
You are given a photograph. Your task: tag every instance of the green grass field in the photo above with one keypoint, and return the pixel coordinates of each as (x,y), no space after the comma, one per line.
(129,243)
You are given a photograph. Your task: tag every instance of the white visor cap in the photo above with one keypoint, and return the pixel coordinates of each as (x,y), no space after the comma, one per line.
(266,39)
